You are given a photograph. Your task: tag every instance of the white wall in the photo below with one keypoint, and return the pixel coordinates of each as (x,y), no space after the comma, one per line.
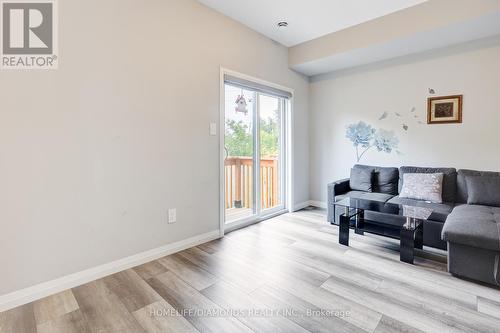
(93,154)
(342,98)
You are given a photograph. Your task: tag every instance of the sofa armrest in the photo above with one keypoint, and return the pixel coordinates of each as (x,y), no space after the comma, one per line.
(336,188)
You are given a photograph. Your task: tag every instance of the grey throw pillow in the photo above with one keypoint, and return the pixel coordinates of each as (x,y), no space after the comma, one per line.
(423,186)
(483,190)
(361,179)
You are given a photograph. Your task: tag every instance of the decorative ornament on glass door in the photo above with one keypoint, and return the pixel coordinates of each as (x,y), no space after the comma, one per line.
(241,105)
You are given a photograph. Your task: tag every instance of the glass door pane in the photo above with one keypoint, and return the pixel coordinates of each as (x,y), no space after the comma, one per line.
(270,143)
(240,111)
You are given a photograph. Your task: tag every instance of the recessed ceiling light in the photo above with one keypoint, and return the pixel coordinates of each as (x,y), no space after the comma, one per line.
(282,24)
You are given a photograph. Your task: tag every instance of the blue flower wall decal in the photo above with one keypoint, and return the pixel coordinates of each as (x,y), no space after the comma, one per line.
(365,136)
(385,141)
(361,134)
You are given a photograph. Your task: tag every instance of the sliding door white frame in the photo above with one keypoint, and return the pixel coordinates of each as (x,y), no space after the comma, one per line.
(282,159)
(286,156)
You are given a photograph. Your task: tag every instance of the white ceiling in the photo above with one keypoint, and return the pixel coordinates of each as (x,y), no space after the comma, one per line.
(308,19)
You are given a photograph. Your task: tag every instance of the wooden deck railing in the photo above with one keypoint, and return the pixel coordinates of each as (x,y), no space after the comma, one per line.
(239,182)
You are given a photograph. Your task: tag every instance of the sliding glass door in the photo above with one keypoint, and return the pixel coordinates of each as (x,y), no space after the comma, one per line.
(270,143)
(239,149)
(254,151)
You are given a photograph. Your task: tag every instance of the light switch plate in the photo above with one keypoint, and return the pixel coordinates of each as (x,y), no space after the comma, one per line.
(213,129)
(172,215)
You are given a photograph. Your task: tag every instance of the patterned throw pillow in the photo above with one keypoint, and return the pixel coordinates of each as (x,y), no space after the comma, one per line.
(423,186)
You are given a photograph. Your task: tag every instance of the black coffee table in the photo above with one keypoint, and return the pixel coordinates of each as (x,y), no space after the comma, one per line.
(409,231)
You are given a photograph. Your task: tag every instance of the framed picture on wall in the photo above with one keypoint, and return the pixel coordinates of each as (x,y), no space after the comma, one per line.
(444,109)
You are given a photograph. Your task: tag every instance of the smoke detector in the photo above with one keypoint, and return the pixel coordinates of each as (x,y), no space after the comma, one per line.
(282,24)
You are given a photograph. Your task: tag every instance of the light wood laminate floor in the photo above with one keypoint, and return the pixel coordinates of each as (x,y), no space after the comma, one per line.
(287,274)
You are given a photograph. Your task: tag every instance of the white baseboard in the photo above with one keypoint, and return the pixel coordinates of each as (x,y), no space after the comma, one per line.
(319,204)
(45,289)
(301,205)
(305,204)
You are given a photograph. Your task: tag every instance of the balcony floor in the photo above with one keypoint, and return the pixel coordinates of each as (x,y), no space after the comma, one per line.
(234,214)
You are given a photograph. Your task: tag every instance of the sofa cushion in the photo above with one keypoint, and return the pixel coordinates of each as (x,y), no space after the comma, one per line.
(440,210)
(449,179)
(483,190)
(423,186)
(474,225)
(462,185)
(361,179)
(385,180)
(381,197)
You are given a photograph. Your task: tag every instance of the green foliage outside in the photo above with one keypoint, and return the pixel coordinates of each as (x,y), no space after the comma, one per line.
(239,138)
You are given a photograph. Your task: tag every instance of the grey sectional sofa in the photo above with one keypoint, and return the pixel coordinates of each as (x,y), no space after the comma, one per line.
(387,184)
(470,232)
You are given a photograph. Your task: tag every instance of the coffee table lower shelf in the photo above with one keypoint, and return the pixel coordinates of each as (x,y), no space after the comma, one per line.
(410,235)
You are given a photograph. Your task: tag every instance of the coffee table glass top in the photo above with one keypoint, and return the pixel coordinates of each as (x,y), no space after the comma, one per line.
(412,212)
